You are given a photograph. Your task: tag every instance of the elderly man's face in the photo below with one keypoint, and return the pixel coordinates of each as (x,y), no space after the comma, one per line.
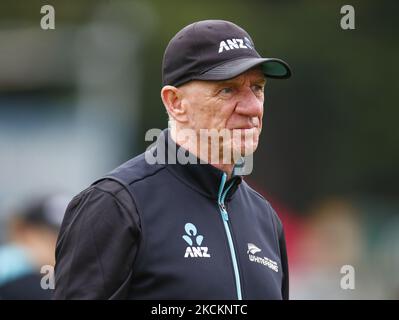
(235,104)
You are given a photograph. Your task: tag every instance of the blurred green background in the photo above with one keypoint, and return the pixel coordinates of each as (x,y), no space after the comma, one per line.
(76,101)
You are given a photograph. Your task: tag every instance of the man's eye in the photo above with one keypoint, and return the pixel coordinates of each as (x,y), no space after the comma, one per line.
(226,90)
(257,88)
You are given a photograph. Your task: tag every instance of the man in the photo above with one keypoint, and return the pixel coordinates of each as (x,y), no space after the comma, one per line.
(177,222)
(32,234)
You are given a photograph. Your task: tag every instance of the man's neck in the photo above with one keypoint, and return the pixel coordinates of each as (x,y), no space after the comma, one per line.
(227,168)
(195,149)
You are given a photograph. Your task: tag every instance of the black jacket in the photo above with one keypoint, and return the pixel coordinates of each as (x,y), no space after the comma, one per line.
(170,231)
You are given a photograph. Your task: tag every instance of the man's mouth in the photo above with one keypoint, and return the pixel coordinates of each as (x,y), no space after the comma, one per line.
(245,127)
(250,124)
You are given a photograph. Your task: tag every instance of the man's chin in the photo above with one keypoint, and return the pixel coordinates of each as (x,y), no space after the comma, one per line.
(246,144)
(247,150)
(244,150)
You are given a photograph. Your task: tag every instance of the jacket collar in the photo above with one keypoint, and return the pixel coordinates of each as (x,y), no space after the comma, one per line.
(204,178)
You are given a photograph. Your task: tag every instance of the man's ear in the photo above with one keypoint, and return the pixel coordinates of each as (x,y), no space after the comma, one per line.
(172,99)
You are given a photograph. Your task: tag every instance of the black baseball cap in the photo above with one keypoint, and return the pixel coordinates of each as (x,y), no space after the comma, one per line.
(47,210)
(215,50)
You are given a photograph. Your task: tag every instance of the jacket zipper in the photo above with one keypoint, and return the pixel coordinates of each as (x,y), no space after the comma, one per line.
(225,217)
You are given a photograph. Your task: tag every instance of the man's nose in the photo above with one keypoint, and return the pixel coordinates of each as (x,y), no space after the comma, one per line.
(249,104)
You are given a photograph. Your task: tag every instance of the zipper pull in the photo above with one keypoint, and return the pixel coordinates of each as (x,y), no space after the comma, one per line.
(223,212)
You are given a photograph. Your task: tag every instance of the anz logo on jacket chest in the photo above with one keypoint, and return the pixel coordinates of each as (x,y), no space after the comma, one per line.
(193,251)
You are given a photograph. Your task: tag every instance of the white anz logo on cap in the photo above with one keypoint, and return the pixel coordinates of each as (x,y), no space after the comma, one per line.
(231,44)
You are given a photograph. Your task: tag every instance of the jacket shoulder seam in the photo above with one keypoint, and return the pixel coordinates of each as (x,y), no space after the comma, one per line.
(145,176)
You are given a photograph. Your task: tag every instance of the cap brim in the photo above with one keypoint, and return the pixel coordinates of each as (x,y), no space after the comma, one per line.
(271,67)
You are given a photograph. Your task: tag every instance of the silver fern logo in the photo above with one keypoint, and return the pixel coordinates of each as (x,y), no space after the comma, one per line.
(253,249)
